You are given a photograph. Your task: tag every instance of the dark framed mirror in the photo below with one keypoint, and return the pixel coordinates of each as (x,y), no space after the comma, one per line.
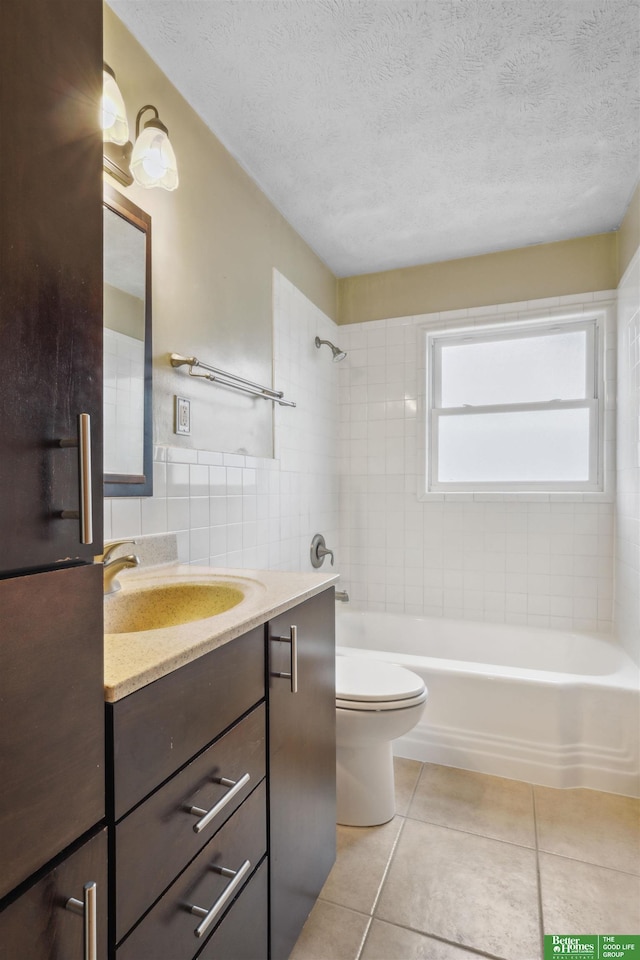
(128,450)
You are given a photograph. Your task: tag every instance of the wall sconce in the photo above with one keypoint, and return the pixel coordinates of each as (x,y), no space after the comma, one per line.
(115,128)
(151,161)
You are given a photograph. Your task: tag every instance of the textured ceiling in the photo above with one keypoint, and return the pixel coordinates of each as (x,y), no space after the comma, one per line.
(393,133)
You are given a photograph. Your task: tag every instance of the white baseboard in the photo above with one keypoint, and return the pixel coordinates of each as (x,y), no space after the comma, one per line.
(572,765)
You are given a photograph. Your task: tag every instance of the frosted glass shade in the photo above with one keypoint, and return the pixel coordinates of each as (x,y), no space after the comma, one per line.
(153,162)
(115,128)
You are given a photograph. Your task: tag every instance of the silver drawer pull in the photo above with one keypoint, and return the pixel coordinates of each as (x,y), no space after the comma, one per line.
(88,910)
(208,815)
(293,676)
(210,915)
(85,513)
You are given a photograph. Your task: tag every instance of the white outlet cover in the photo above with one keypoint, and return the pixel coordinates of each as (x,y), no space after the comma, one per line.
(182,415)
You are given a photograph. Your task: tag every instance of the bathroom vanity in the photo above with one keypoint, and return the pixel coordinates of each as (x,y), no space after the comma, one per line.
(221,797)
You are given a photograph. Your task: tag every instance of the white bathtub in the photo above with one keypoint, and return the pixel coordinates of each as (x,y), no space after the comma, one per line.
(554,708)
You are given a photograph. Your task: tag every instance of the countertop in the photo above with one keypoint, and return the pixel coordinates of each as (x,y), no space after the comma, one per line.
(132,660)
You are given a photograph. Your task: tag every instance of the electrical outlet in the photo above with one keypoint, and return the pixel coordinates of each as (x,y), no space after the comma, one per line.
(182,415)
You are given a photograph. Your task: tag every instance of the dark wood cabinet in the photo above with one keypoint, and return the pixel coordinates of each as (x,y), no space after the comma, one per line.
(170,931)
(51,716)
(216,740)
(302,766)
(188,797)
(50,275)
(164,823)
(39,926)
(157,729)
(51,634)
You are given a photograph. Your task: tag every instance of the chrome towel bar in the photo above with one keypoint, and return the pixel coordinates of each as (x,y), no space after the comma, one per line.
(229,379)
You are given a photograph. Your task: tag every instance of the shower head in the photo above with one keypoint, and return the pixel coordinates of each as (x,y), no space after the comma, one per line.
(338,354)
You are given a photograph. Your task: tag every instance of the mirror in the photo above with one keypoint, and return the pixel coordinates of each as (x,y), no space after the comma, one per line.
(128,461)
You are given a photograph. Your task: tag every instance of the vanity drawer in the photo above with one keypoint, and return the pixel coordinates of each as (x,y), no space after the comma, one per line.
(157,729)
(244,932)
(156,840)
(168,930)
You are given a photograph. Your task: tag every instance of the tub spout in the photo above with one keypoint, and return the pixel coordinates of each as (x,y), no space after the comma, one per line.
(342,596)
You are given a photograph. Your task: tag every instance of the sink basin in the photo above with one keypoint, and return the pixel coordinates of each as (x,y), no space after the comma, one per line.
(168,605)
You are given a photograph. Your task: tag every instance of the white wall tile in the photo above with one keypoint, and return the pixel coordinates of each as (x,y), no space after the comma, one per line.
(237,510)
(126,517)
(177,479)
(491,555)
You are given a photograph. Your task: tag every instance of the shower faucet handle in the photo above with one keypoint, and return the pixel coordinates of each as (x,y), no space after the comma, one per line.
(319,551)
(323,552)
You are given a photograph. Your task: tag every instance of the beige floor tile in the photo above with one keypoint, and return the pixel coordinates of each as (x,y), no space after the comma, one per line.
(362,858)
(330,933)
(471,890)
(580,898)
(489,806)
(406,773)
(385,941)
(601,828)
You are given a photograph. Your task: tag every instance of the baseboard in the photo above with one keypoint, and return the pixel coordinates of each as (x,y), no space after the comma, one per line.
(570,765)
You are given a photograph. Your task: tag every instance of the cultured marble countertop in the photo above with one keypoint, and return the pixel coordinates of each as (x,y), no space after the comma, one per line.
(132,660)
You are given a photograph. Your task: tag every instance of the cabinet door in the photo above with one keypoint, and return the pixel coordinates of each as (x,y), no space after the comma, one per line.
(50,275)
(302,766)
(38,926)
(51,716)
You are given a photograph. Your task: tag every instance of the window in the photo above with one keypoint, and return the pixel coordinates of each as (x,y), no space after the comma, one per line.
(515,408)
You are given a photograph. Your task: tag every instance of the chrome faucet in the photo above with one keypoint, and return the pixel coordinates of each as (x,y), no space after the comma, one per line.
(111,567)
(319,551)
(342,596)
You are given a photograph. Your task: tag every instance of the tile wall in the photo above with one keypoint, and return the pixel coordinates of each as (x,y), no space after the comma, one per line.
(547,562)
(346,464)
(627,556)
(241,511)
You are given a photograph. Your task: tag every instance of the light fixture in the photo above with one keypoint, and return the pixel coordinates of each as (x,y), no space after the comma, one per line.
(153,162)
(338,354)
(115,128)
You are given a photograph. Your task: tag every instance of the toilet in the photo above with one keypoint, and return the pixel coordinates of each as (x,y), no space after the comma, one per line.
(375,703)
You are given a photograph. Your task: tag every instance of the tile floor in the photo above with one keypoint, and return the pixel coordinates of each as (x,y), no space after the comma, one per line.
(474,865)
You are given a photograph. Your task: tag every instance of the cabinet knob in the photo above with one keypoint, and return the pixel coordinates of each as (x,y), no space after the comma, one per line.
(208,815)
(210,915)
(88,910)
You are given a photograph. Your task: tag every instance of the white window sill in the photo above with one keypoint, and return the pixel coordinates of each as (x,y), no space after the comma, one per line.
(601,496)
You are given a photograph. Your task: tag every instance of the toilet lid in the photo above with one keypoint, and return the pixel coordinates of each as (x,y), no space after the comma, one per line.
(362,680)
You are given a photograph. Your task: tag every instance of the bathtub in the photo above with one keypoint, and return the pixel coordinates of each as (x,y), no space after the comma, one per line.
(554,708)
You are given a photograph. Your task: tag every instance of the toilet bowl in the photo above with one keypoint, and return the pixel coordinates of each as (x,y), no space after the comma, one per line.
(375,703)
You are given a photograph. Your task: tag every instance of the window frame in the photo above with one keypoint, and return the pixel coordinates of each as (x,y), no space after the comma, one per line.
(593,323)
